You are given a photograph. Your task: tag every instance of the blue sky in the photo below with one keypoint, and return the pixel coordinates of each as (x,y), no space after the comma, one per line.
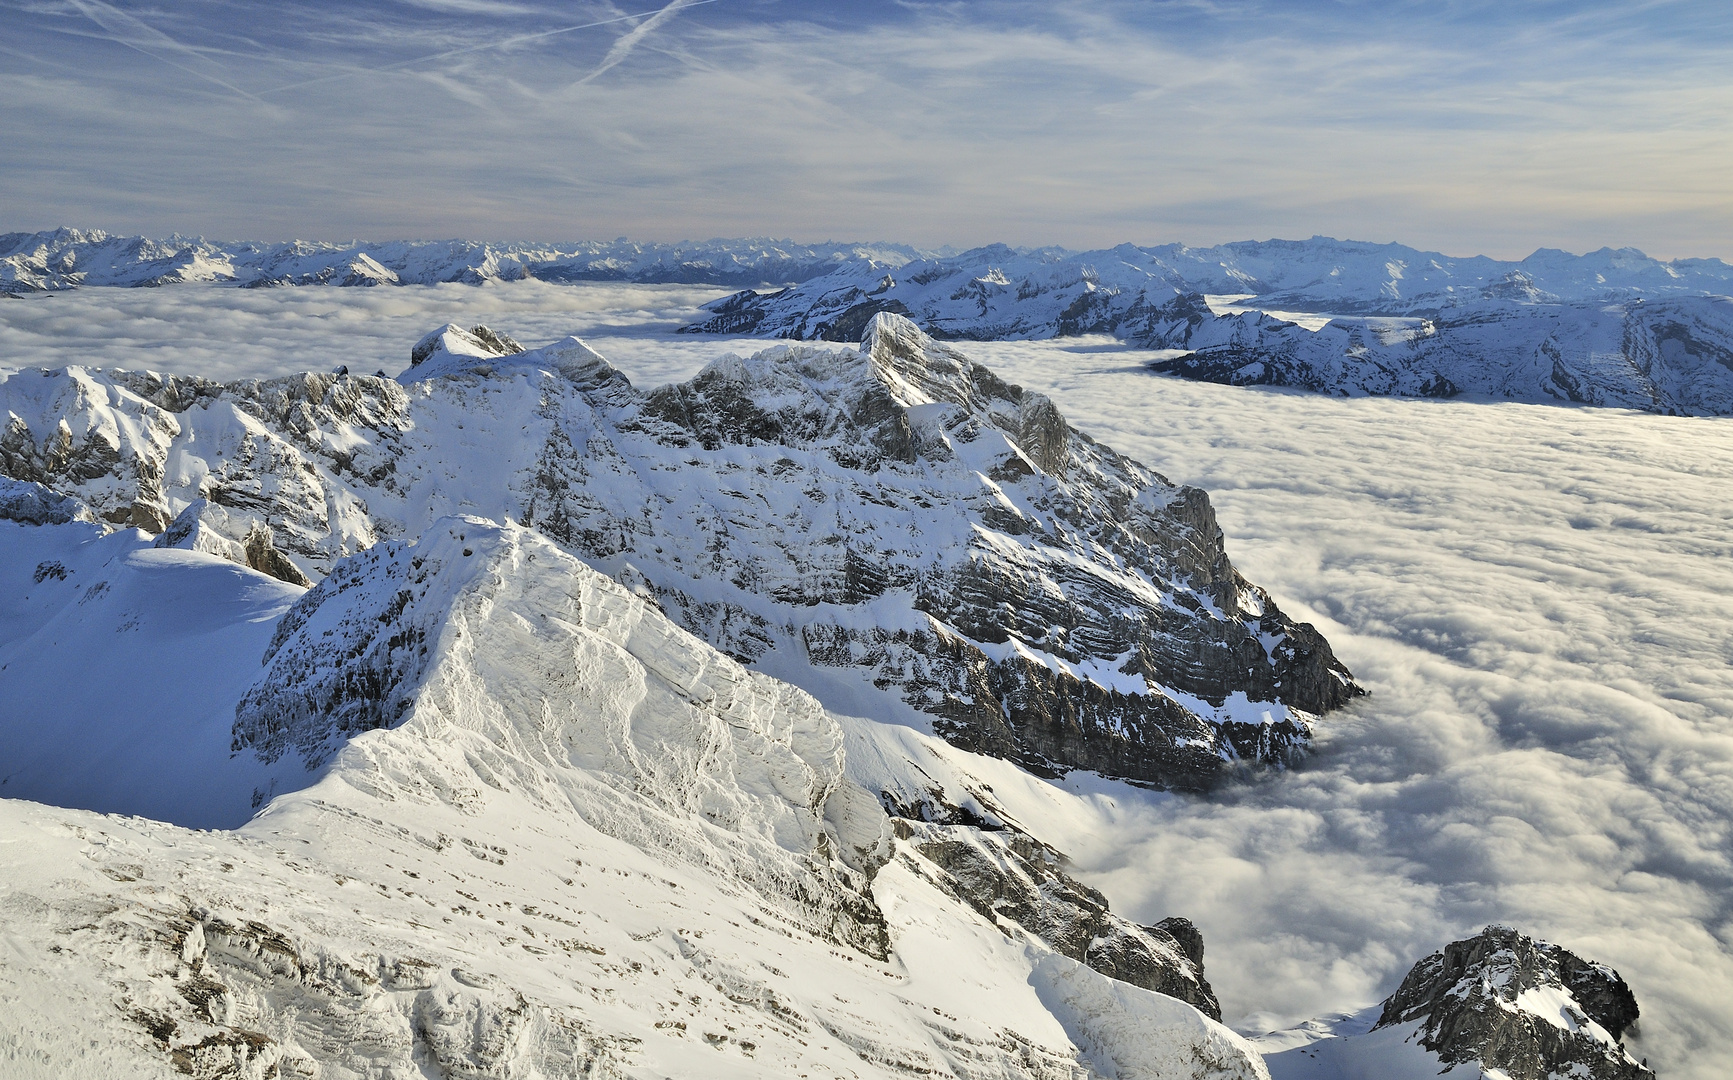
(1468,127)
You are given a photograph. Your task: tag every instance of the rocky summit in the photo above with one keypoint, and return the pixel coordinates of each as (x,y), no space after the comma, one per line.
(1529,1009)
(891,525)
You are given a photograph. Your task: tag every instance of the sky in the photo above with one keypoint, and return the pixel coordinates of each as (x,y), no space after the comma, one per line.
(1458,125)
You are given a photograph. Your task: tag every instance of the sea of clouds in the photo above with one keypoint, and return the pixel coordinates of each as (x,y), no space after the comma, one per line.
(1539,598)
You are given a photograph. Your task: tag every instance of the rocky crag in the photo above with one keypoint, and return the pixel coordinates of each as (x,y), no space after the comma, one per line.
(1528,1008)
(893,513)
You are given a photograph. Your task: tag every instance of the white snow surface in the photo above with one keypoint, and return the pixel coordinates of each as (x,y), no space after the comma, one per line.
(120,665)
(1537,596)
(593,846)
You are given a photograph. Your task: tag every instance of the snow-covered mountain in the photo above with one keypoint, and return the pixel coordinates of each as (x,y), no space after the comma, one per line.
(585,843)
(1608,328)
(892,519)
(498,804)
(1612,327)
(997,292)
(1044,291)
(67,258)
(1672,356)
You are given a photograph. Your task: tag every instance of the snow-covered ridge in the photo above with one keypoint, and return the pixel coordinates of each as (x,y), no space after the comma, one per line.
(896,513)
(989,292)
(586,844)
(998,292)
(1672,355)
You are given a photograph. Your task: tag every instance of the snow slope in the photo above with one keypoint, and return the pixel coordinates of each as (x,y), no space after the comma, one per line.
(589,845)
(120,664)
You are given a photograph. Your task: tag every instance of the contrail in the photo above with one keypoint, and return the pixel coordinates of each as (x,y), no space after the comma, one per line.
(650,17)
(623,47)
(136,34)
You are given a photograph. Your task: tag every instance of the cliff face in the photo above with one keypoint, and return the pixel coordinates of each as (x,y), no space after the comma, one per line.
(895,511)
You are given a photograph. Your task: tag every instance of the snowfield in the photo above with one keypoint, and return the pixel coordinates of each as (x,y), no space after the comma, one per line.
(1538,598)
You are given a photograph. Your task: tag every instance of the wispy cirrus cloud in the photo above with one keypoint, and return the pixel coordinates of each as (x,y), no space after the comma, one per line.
(1466,127)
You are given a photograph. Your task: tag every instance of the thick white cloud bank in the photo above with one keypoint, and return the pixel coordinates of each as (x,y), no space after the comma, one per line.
(1540,598)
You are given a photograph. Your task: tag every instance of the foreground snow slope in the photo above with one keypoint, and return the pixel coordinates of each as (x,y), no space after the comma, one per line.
(894,510)
(120,665)
(589,844)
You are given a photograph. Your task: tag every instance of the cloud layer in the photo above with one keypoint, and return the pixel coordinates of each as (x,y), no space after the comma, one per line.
(1467,127)
(1540,598)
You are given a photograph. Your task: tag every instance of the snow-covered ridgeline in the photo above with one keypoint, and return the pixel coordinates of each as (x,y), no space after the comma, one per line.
(989,292)
(68,258)
(895,511)
(588,844)
(1610,328)
(583,842)
(1671,355)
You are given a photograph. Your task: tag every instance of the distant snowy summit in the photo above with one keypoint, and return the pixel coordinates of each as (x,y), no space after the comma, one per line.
(986,293)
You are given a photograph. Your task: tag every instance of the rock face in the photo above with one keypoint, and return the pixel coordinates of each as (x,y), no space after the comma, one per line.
(1013,879)
(894,510)
(1531,1009)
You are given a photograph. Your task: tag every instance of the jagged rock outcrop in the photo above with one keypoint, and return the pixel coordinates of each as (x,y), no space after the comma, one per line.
(1531,1009)
(30,503)
(1013,879)
(894,509)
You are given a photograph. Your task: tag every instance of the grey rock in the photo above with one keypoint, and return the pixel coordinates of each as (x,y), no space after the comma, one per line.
(1011,878)
(896,509)
(30,503)
(1530,1008)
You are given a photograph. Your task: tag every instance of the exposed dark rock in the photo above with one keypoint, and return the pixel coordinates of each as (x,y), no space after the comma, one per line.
(1530,1008)
(263,556)
(360,676)
(1012,878)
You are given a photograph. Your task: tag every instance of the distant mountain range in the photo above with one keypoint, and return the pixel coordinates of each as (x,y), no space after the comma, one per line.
(1612,327)
(1320,274)
(68,258)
